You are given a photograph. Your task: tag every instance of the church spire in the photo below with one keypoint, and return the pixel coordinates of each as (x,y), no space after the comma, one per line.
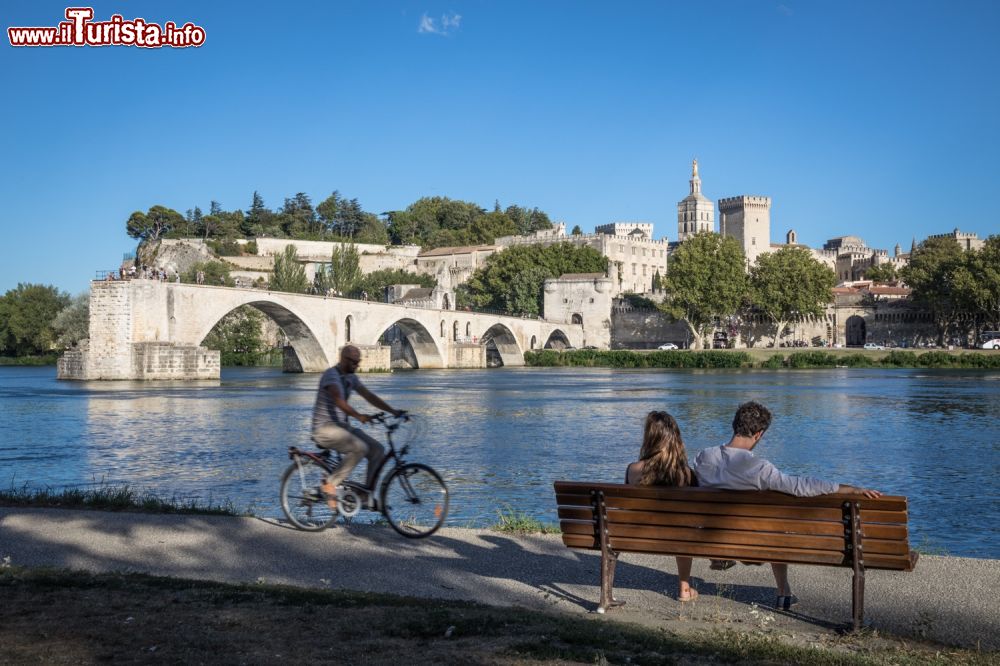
(695,180)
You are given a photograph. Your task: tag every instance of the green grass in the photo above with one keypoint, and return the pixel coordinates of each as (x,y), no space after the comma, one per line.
(516,521)
(426,630)
(111,497)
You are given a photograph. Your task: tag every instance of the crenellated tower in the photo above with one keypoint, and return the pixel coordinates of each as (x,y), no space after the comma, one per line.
(748,220)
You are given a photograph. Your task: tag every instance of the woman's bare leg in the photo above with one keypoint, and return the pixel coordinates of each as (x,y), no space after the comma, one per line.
(685,591)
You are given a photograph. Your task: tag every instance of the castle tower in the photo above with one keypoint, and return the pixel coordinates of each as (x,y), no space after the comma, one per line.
(695,212)
(748,220)
(791,238)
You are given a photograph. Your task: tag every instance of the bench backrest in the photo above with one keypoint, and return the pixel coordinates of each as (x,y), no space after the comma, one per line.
(760,526)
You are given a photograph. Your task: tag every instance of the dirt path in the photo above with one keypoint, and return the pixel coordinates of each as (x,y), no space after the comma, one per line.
(953,601)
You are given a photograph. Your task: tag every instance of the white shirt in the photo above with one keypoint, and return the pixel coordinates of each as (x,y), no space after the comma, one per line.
(738,469)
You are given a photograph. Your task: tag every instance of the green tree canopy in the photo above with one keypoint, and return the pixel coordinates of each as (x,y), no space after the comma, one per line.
(931,275)
(26,317)
(376,281)
(238,338)
(344,272)
(788,284)
(216,273)
(441,222)
(151,225)
(512,280)
(882,273)
(72,324)
(705,279)
(289,275)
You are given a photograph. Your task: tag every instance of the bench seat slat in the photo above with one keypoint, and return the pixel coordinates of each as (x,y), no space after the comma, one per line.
(808,527)
(738,537)
(816,528)
(569,489)
(790,555)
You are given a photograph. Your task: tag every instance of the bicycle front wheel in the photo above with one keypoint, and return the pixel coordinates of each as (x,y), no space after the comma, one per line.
(415,500)
(302,499)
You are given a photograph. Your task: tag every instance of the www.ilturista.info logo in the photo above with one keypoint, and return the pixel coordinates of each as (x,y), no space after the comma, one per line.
(80,30)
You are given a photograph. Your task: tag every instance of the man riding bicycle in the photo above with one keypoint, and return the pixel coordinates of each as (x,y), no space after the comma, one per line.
(330,427)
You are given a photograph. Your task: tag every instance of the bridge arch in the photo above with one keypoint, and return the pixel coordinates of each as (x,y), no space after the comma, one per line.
(301,338)
(503,340)
(417,345)
(557,340)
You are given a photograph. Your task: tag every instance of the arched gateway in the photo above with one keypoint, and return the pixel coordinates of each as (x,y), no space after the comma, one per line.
(147,329)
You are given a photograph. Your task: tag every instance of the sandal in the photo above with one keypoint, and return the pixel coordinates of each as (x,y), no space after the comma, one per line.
(784,602)
(722,565)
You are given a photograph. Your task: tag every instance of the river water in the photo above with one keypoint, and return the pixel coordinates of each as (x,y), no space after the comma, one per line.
(500,437)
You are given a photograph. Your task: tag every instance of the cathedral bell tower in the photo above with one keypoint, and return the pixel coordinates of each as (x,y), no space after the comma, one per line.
(695,213)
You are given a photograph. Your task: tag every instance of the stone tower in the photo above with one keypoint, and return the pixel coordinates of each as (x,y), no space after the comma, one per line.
(748,220)
(695,212)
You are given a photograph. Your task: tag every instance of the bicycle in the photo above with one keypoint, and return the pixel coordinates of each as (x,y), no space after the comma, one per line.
(412,497)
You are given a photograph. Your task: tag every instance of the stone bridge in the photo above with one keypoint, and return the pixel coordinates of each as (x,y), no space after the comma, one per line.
(147,329)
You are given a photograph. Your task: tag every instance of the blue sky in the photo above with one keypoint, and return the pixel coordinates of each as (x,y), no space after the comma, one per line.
(874,119)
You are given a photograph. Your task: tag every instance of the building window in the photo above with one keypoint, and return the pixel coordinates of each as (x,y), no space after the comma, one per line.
(753,241)
(591,299)
(633,251)
(633,269)
(347,329)
(565,300)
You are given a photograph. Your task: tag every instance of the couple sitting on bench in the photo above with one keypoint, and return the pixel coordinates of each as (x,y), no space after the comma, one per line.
(663,462)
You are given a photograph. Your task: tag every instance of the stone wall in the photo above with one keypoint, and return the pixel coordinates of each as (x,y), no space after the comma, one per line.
(469,355)
(643,328)
(166,360)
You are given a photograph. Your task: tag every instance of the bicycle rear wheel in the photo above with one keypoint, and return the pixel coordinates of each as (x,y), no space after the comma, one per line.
(302,499)
(415,500)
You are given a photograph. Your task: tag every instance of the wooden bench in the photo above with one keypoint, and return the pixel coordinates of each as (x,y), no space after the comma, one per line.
(837,530)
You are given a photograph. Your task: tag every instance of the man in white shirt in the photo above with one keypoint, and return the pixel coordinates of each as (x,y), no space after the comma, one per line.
(733,466)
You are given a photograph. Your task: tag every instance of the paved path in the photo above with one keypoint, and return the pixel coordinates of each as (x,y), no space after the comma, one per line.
(950,600)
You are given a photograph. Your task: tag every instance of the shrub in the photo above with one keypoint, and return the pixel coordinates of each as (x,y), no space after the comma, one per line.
(250,248)
(225,248)
(856,361)
(936,359)
(900,359)
(776,361)
(812,359)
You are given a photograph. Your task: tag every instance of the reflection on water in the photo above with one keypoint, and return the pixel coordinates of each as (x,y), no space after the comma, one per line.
(502,437)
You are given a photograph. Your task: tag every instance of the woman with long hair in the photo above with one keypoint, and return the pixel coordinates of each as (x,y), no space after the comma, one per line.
(663,462)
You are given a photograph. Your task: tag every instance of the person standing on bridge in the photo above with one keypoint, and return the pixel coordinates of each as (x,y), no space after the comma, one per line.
(330,427)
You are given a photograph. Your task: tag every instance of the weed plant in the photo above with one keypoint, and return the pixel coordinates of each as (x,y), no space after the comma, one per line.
(111,497)
(516,521)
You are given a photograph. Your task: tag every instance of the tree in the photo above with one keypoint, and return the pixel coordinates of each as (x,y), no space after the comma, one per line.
(258,218)
(238,337)
(26,317)
(151,225)
(931,276)
(527,221)
(215,272)
(512,280)
(789,284)
(344,272)
(72,324)
(577,231)
(705,279)
(882,273)
(289,274)
(376,281)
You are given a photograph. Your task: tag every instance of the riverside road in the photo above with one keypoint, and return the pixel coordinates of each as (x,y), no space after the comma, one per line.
(949,600)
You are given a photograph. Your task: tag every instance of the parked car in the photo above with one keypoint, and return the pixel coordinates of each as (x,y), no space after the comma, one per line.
(874,346)
(667,345)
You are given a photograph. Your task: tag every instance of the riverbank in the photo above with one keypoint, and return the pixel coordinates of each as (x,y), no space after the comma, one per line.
(765,359)
(945,602)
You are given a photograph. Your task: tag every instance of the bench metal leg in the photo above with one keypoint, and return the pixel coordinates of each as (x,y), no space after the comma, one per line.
(609,558)
(858,564)
(858,598)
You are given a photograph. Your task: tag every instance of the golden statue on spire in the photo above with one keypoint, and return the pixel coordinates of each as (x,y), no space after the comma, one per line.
(694,168)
